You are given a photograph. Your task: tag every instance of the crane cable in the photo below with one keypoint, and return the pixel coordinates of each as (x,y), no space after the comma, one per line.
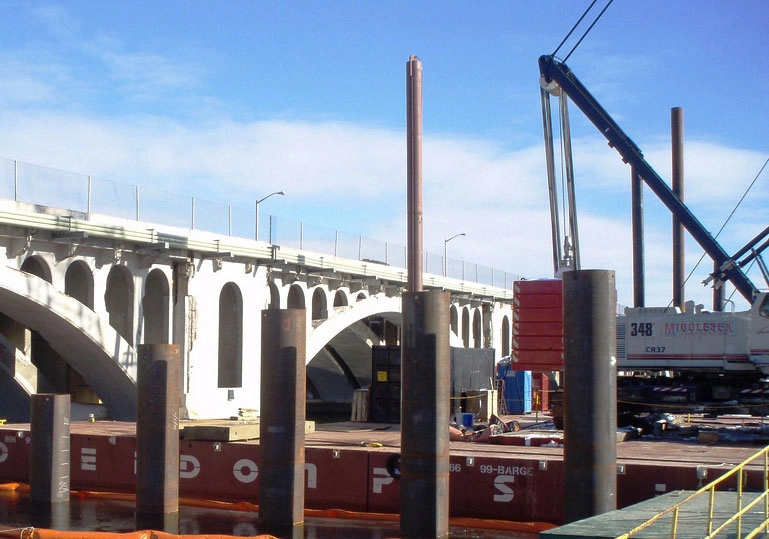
(739,202)
(584,34)
(565,225)
(726,221)
(579,41)
(574,27)
(564,201)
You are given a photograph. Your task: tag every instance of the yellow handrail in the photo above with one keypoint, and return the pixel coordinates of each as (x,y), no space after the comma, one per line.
(710,490)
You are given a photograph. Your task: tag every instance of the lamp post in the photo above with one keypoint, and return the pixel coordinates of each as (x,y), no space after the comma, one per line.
(445,258)
(259,201)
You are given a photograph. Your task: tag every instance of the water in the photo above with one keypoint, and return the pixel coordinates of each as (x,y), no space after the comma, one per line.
(118,515)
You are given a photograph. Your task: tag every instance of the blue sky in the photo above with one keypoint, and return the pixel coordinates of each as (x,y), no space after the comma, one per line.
(229,101)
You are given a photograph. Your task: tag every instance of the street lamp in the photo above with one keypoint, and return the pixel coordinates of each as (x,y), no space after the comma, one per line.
(445,259)
(259,201)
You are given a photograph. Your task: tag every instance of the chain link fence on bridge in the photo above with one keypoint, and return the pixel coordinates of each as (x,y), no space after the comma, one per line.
(44,186)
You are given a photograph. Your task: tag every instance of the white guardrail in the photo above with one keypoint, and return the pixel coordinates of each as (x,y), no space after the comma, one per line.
(110,209)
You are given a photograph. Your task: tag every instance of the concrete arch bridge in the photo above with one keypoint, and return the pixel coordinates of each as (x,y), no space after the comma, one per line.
(79,291)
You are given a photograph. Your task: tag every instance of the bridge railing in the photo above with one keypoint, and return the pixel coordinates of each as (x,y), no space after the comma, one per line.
(750,517)
(44,186)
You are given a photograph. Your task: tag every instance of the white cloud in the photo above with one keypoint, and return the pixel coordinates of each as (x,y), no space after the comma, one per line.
(499,199)
(57,20)
(146,76)
(67,66)
(26,81)
(352,176)
(715,177)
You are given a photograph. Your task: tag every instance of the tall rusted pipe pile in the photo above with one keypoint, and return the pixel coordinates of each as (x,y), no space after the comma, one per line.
(425,380)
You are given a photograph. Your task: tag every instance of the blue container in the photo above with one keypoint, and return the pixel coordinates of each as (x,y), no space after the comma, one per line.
(518,391)
(467,420)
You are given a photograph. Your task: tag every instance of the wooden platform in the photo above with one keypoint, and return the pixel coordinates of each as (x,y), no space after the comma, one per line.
(692,518)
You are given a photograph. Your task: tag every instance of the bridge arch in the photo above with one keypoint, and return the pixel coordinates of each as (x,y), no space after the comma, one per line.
(454,319)
(82,338)
(36,265)
(230,359)
(505,345)
(319,304)
(340,298)
(78,282)
(118,300)
(155,308)
(274,296)
(341,319)
(466,327)
(296,299)
(477,331)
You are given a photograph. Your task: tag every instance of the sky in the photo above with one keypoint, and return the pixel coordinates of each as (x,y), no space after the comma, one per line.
(231,101)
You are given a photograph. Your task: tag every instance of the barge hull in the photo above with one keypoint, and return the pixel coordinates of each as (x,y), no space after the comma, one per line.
(515,478)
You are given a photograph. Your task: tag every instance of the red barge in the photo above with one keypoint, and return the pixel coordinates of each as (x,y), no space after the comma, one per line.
(516,477)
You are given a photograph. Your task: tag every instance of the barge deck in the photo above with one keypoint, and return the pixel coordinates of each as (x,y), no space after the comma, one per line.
(516,477)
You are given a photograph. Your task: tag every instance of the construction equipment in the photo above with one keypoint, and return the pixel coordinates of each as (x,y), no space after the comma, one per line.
(557,79)
(694,359)
(688,359)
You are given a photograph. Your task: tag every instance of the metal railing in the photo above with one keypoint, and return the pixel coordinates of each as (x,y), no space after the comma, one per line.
(34,184)
(713,528)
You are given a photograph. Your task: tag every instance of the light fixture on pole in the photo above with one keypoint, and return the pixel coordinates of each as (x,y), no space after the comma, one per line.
(259,201)
(445,259)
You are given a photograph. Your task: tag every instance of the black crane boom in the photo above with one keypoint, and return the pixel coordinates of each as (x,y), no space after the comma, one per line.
(551,70)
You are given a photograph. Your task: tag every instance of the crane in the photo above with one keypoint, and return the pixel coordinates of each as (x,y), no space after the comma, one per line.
(557,79)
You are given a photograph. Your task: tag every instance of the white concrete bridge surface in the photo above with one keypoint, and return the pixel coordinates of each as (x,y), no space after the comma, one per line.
(81,286)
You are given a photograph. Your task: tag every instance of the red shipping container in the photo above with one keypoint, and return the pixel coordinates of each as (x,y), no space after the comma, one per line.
(539,286)
(538,342)
(543,329)
(538,301)
(536,360)
(538,315)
